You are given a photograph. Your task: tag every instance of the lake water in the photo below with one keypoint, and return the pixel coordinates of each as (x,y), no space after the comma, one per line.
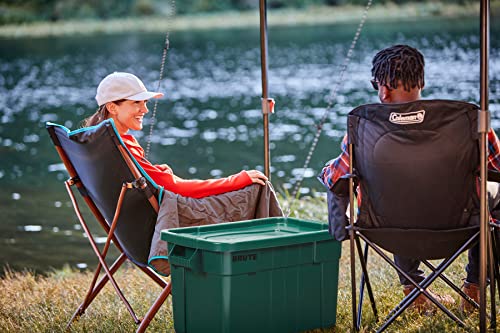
(209,124)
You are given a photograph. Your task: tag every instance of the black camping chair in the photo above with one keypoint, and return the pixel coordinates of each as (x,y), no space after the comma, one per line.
(121,196)
(417,166)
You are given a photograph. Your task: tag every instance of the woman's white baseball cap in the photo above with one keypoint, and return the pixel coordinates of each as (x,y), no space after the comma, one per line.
(119,85)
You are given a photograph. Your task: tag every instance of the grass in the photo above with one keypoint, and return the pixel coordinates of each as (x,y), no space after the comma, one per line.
(36,303)
(283,17)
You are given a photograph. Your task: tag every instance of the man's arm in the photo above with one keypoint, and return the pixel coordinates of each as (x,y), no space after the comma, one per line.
(493,151)
(337,167)
(337,204)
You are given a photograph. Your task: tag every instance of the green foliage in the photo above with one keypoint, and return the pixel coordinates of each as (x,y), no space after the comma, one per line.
(68,9)
(20,11)
(200,6)
(144,7)
(13,15)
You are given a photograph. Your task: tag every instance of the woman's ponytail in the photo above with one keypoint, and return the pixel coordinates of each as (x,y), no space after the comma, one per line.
(98,117)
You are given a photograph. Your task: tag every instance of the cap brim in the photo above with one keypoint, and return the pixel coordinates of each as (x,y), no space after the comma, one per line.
(143,96)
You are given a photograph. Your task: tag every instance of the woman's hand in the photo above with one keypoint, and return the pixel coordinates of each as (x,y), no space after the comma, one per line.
(257,177)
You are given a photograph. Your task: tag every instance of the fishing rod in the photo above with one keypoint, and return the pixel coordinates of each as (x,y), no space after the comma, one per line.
(484,126)
(267,103)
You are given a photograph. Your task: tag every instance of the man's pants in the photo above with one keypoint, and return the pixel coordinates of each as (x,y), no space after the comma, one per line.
(410,266)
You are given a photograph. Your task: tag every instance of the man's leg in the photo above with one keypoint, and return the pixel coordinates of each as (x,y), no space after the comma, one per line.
(471,284)
(410,267)
(472,268)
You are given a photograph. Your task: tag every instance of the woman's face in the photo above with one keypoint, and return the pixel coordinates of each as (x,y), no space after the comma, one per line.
(128,115)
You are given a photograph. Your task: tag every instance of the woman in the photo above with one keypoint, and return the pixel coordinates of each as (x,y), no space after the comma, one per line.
(123,97)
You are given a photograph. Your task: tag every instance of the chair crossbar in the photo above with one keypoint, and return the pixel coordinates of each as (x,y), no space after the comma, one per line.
(362,293)
(96,288)
(451,284)
(420,288)
(365,280)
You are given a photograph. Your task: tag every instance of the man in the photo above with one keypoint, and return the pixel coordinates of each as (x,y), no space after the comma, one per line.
(398,76)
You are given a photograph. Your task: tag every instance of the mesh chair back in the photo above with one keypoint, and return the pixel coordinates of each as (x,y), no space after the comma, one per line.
(417,165)
(101,168)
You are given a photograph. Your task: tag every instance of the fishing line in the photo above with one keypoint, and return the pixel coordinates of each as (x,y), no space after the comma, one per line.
(166,47)
(330,99)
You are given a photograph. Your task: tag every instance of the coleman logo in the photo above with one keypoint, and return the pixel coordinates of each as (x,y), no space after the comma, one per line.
(407,118)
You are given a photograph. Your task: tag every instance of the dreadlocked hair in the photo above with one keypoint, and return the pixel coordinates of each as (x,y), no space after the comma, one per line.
(399,64)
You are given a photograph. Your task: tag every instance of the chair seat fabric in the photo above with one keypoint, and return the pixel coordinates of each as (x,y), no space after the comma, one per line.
(418,243)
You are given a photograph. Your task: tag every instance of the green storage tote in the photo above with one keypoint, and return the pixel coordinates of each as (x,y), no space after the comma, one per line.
(264,275)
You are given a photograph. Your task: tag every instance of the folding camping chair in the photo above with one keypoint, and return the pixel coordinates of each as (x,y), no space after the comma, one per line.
(121,196)
(417,166)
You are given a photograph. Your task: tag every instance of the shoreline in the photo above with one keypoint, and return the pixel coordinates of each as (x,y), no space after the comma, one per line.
(247,19)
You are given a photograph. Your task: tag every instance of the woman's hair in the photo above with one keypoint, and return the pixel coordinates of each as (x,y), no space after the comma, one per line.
(399,64)
(100,115)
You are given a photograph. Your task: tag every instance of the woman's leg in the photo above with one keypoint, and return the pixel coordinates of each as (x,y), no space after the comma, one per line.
(254,201)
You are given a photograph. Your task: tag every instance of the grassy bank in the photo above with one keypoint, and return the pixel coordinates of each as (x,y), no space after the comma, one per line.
(310,15)
(30,303)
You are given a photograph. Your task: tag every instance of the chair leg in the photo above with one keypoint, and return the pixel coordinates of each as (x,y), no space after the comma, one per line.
(95,289)
(363,258)
(353,279)
(154,308)
(491,265)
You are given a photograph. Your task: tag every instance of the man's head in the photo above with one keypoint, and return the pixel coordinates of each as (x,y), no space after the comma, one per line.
(398,74)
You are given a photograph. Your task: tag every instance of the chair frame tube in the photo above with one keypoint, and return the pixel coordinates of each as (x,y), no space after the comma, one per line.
(364,279)
(351,237)
(484,127)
